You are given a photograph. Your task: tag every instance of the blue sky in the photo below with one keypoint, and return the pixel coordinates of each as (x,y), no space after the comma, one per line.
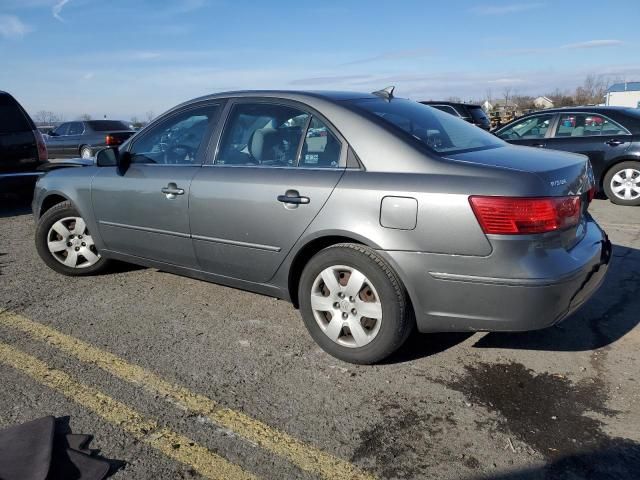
(125,57)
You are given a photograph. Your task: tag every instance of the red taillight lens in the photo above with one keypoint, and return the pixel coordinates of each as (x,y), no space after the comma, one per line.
(592,193)
(110,140)
(43,155)
(514,216)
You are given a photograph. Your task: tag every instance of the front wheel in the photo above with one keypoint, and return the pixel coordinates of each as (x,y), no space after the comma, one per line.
(65,244)
(354,305)
(622,183)
(85,152)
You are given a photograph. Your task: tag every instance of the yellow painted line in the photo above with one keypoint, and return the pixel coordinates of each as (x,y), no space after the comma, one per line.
(305,457)
(170,443)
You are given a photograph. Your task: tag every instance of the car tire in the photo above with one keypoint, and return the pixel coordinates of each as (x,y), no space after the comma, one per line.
(85,152)
(65,244)
(616,184)
(378,292)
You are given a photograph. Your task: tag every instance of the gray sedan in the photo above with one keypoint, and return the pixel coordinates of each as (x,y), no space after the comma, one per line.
(373,214)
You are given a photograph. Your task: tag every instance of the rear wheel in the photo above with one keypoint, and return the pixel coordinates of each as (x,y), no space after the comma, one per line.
(65,244)
(354,305)
(622,183)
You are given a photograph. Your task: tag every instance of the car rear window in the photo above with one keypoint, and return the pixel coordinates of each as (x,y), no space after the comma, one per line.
(12,120)
(478,115)
(107,125)
(441,132)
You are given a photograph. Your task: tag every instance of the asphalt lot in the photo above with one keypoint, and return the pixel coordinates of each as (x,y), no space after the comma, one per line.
(178,378)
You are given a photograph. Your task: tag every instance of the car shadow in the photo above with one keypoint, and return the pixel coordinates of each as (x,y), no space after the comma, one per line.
(609,315)
(618,459)
(421,345)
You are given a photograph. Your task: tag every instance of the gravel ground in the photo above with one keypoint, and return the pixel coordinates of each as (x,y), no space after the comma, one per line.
(558,403)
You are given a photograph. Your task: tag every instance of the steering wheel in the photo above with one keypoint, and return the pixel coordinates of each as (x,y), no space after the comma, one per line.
(179,153)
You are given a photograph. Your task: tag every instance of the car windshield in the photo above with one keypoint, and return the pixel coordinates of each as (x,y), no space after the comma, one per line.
(106,125)
(437,130)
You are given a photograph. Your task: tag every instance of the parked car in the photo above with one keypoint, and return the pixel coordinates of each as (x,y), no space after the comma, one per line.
(609,136)
(22,149)
(84,138)
(471,113)
(401,216)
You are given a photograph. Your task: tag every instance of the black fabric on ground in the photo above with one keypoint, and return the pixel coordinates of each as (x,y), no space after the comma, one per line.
(26,450)
(45,449)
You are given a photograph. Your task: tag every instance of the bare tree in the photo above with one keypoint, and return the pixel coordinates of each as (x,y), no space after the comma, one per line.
(150,116)
(45,117)
(506,93)
(591,91)
(85,117)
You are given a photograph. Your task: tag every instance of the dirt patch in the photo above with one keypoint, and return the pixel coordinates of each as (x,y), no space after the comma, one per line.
(402,445)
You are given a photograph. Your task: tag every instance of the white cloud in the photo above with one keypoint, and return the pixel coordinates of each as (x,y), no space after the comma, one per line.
(57,9)
(398,54)
(505,9)
(593,44)
(12,27)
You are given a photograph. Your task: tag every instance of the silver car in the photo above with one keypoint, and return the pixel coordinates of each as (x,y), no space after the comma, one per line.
(374,215)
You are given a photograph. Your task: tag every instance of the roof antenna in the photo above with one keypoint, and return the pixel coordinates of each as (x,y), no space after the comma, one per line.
(386,93)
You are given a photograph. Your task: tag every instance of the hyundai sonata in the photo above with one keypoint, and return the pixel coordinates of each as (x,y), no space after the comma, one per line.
(397,216)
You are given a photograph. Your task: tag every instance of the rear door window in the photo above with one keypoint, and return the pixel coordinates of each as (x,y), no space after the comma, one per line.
(446,108)
(265,134)
(12,120)
(321,148)
(587,125)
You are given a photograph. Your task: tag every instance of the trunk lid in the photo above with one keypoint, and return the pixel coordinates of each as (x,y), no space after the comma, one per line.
(560,173)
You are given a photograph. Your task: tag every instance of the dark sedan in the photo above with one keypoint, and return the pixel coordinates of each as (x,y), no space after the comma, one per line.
(84,138)
(609,136)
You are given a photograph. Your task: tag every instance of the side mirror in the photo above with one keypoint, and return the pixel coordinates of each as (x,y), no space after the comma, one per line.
(112,157)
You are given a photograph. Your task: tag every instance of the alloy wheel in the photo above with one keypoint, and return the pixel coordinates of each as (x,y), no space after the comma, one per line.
(71,244)
(346,306)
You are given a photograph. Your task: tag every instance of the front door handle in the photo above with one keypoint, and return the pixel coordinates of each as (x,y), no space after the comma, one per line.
(539,145)
(172,190)
(614,142)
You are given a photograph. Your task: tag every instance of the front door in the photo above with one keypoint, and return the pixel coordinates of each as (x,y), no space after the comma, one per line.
(145,211)
(531,131)
(594,135)
(276,167)
(57,141)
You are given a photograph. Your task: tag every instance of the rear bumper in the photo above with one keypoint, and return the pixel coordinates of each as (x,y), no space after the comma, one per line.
(463,302)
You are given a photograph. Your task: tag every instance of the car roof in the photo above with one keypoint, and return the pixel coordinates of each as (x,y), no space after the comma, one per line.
(593,108)
(437,102)
(290,94)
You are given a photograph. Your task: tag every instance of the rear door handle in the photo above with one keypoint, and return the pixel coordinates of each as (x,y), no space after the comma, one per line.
(172,190)
(293,197)
(613,142)
(539,145)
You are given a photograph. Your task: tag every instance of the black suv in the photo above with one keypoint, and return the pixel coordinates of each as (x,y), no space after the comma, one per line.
(22,149)
(609,136)
(467,111)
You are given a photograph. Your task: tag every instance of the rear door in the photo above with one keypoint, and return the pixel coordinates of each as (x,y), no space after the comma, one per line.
(591,134)
(144,212)
(276,166)
(72,140)
(18,149)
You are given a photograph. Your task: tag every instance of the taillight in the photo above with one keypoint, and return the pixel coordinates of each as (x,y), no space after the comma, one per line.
(43,155)
(521,215)
(592,193)
(110,141)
